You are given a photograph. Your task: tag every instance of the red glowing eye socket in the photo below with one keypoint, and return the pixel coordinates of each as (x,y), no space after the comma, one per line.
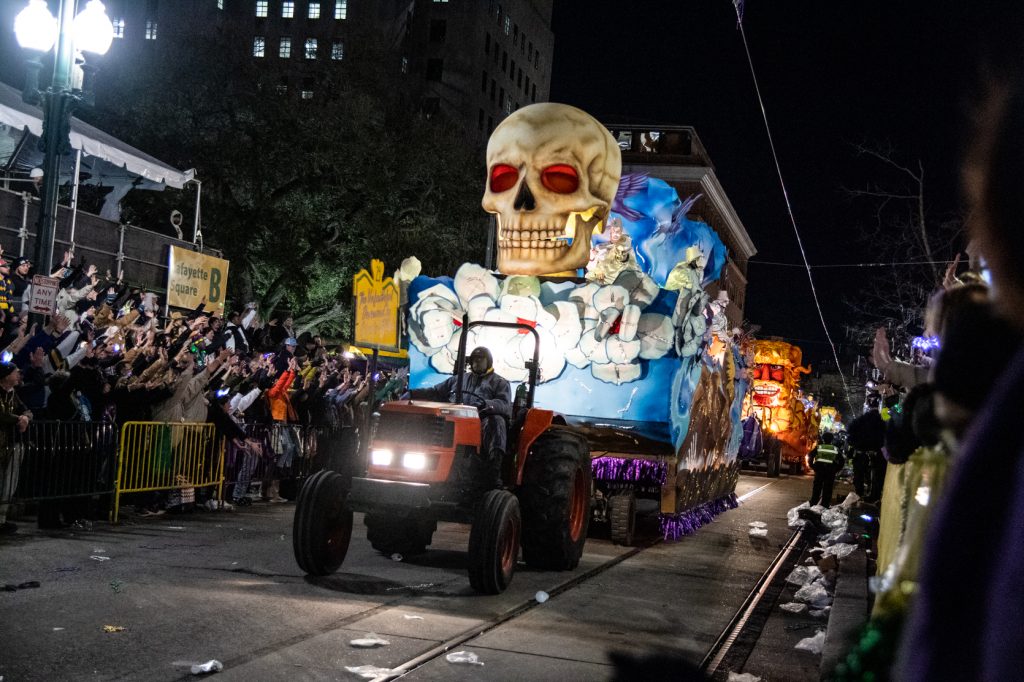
(777,373)
(560,178)
(503,177)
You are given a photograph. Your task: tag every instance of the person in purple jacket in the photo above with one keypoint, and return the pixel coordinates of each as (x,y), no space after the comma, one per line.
(967,622)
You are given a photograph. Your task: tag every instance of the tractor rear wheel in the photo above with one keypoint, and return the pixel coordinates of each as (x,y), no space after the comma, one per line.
(322,527)
(494,542)
(622,518)
(399,533)
(555,498)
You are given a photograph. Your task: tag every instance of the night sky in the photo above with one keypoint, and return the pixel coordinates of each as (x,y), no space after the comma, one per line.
(831,73)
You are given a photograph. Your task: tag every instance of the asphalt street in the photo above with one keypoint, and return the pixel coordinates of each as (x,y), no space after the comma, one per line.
(224,585)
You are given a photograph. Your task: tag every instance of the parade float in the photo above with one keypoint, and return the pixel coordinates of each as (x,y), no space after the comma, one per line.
(789,419)
(611,275)
(628,384)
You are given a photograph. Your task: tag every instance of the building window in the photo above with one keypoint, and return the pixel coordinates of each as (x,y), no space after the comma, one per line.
(487,43)
(118,28)
(310,48)
(508,24)
(314,10)
(262,7)
(438,29)
(338,51)
(285,50)
(287,9)
(341,9)
(527,88)
(493,86)
(515,35)
(534,95)
(150,29)
(531,48)
(435,68)
(522,44)
(504,61)
(307,94)
(220,4)
(405,65)
(512,70)
(508,105)
(259,46)
(501,97)
(480,120)
(490,124)
(536,59)
(282,89)
(483,82)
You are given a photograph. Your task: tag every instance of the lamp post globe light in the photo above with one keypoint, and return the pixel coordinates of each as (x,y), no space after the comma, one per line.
(37,30)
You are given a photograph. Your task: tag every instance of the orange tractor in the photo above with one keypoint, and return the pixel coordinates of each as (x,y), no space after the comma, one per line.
(419,468)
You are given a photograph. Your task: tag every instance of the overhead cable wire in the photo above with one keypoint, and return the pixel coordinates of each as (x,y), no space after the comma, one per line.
(738,6)
(851,265)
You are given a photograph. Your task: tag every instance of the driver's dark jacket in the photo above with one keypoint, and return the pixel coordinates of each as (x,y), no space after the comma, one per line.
(493,389)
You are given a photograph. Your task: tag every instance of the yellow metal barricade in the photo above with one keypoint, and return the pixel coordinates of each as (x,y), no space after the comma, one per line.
(165,456)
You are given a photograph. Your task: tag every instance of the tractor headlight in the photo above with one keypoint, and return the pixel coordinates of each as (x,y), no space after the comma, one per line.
(414,460)
(382,458)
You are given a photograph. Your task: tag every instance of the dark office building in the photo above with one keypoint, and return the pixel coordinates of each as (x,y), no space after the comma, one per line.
(474,61)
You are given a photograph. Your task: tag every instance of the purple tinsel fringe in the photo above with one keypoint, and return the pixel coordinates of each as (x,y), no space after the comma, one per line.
(622,469)
(675,526)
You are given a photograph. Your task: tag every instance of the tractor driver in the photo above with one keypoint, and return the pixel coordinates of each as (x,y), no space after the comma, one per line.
(492,396)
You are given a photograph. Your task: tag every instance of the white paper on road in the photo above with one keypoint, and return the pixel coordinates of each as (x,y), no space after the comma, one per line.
(743,677)
(813,594)
(541,596)
(812,644)
(840,551)
(371,641)
(801,575)
(758,532)
(463,658)
(793,519)
(370,672)
(794,607)
(409,616)
(96,557)
(756,524)
(834,518)
(212,666)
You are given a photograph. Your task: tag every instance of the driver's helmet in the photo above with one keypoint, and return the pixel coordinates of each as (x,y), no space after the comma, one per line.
(480,353)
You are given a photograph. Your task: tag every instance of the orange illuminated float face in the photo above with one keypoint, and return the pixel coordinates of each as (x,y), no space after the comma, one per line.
(769,385)
(776,400)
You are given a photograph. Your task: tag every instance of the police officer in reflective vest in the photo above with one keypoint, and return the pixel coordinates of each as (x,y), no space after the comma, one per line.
(826,462)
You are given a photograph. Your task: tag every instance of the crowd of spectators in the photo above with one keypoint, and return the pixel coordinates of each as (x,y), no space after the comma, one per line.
(107,354)
(948,587)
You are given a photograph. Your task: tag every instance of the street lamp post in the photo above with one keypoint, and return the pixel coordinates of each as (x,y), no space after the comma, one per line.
(37,31)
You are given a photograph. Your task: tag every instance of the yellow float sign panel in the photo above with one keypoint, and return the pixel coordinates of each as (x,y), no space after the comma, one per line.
(191,276)
(376,302)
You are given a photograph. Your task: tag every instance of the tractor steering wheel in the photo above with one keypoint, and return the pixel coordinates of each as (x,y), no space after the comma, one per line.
(475,400)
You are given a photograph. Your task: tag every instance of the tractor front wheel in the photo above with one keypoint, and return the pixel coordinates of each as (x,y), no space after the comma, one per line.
(322,527)
(494,542)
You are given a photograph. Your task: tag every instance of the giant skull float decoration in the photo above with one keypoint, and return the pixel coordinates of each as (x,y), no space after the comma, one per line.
(552,173)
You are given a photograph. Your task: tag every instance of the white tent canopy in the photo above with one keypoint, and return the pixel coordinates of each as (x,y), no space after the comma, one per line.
(18,115)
